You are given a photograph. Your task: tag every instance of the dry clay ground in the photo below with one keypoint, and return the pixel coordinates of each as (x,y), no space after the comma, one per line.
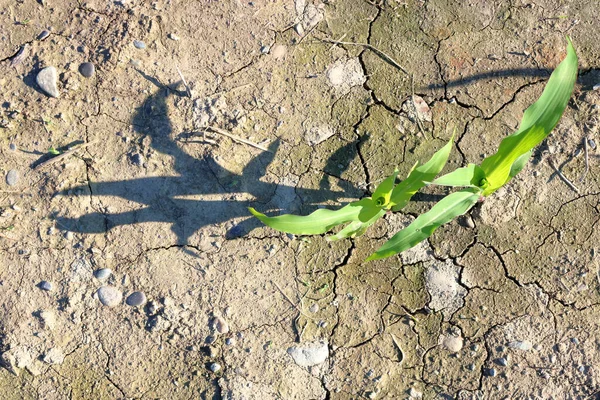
(504,303)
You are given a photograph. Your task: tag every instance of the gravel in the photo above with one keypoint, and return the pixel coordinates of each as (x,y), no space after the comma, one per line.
(220,325)
(215,367)
(102,274)
(136,299)
(12,177)
(45,285)
(46,79)
(139,44)
(110,296)
(43,34)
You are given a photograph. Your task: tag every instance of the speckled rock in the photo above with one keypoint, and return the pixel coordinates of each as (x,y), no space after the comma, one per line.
(46,79)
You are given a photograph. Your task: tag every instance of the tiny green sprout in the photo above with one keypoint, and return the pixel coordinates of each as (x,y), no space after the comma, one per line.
(477,181)
(26,21)
(53,151)
(323,288)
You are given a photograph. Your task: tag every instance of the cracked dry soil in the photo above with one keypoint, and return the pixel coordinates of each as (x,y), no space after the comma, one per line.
(503,303)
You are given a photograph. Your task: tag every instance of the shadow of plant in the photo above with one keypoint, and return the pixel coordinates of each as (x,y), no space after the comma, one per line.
(162,195)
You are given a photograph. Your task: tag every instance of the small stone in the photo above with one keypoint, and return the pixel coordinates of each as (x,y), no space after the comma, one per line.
(46,79)
(596,86)
(215,367)
(54,356)
(220,325)
(43,34)
(414,393)
(110,296)
(524,345)
(45,285)
(489,372)
(12,147)
(173,36)
(372,395)
(561,347)
(279,51)
(230,341)
(48,319)
(16,358)
(265,49)
(309,354)
(136,299)
(575,341)
(139,44)
(502,361)
(210,339)
(12,177)
(471,367)
(87,69)
(314,308)
(103,273)
(137,159)
(453,343)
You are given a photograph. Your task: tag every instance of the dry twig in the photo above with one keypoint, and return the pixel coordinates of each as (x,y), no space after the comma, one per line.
(236,138)
(63,155)
(564,178)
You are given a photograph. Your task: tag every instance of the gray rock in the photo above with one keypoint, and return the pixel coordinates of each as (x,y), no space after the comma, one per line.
(46,79)
(12,147)
(215,367)
(502,361)
(110,296)
(12,177)
(314,308)
(137,159)
(87,69)
(523,345)
(489,372)
(139,44)
(136,299)
(16,359)
(45,285)
(220,325)
(43,34)
(309,354)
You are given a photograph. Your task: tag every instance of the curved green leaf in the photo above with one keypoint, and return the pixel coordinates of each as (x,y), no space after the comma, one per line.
(356,228)
(418,177)
(471,175)
(424,225)
(538,121)
(381,195)
(320,221)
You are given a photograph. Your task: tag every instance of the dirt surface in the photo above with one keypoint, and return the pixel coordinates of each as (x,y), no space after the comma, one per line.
(502,303)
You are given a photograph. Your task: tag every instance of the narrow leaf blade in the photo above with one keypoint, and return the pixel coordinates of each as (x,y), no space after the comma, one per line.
(471,175)
(320,221)
(538,121)
(444,211)
(356,228)
(418,177)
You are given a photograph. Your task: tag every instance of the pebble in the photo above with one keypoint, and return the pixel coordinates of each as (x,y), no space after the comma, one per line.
(103,273)
(215,367)
(48,319)
(12,177)
(524,345)
(87,69)
(489,372)
(414,393)
(220,325)
(139,44)
(230,341)
(309,354)
(592,143)
(12,147)
(471,367)
(596,86)
(136,299)
(453,343)
(265,49)
(69,235)
(45,285)
(43,34)
(46,79)
(137,159)
(110,296)
(314,308)
(173,36)
(502,361)
(561,347)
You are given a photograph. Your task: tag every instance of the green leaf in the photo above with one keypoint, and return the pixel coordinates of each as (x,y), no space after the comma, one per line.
(444,211)
(418,177)
(356,228)
(381,195)
(538,121)
(519,164)
(318,222)
(471,175)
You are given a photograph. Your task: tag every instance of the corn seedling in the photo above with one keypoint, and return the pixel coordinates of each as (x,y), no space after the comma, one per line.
(476,180)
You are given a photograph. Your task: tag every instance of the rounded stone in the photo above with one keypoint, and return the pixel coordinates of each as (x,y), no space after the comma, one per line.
(110,296)
(139,44)
(45,285)
(220,325)
(215,367)
(87,69)
(136,299)
(103,273)
(43,34)
(46,79)
(12,177)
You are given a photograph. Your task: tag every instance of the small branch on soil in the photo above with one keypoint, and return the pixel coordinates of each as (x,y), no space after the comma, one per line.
(223,132)
(374,49)
(564,178)
(187,87)
(587,158)
(63,155)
